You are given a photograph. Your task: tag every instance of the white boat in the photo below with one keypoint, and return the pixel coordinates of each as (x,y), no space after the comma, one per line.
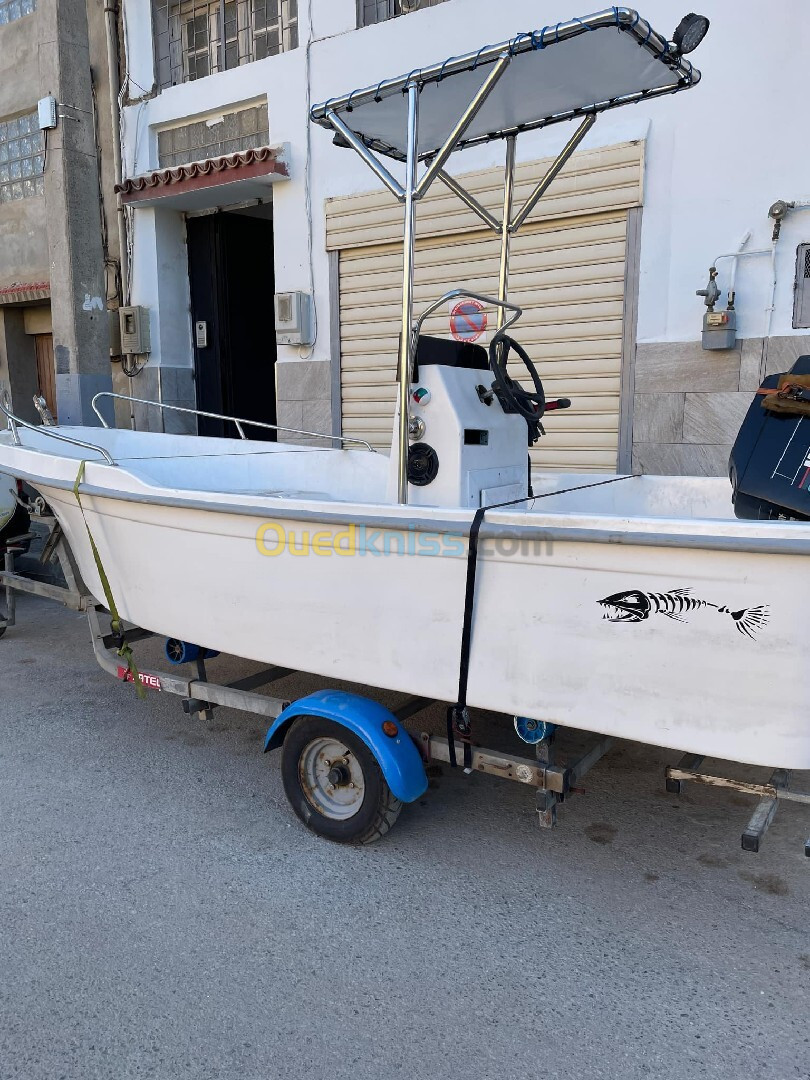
(177,536)
(632,606)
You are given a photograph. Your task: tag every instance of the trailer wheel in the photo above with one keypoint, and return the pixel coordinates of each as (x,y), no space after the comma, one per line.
(334,783)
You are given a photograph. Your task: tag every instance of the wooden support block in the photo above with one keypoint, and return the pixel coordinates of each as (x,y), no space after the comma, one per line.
(688,761)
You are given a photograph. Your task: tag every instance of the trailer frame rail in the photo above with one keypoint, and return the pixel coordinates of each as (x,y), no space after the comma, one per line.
(688,770)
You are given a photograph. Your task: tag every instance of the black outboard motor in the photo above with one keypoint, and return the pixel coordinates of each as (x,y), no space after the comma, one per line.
(769,465)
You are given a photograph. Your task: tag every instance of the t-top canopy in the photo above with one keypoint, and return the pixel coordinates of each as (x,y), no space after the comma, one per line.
(574,68)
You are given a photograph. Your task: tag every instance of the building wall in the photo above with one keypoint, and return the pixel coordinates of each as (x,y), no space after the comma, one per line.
(24,245)
(66,238)
(717,157)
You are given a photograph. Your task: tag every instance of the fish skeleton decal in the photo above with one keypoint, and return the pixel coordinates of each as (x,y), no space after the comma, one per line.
(636,606)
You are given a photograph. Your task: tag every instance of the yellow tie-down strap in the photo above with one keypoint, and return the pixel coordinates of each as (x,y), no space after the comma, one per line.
(124,651)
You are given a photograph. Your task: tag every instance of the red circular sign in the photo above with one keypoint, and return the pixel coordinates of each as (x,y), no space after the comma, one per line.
(468,320)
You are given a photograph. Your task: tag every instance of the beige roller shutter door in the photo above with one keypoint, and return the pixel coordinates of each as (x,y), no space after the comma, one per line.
(567,272)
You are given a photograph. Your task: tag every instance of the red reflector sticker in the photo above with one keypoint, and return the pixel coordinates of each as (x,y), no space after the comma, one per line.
(151,682)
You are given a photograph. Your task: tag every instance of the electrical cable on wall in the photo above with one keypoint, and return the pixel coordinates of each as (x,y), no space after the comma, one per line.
(308,191)
(129,364)
(110,264)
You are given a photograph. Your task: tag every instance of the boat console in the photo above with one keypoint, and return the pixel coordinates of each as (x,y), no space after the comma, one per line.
(465,449)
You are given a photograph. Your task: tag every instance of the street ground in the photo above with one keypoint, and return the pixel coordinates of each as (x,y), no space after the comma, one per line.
(163,914)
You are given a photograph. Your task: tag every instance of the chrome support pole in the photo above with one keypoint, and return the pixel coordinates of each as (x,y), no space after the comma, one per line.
(470,201)
(464,122)
(553,171)
(16,422)
(406,330)
(5,401)
(508,198)
(357,144)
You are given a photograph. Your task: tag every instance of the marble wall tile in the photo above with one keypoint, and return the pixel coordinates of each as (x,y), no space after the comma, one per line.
(289,414)
(180,423)
(675,366)
(783,351)
(681,459)
(304,380)
(658,418)
(751,373)
(318,417)
(714,418)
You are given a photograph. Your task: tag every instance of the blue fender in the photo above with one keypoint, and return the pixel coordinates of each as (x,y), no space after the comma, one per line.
(398,757)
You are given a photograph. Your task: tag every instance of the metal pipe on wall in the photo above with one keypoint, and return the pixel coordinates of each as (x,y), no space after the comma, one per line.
(111,27)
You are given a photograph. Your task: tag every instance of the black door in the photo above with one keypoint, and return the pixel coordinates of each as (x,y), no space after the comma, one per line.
(231,272)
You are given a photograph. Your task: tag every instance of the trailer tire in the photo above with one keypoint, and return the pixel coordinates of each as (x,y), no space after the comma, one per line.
(335,784)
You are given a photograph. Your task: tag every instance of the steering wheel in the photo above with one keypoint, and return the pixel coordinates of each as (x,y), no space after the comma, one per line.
(512,396)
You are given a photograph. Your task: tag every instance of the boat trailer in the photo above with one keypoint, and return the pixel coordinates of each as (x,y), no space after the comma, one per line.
(405,759)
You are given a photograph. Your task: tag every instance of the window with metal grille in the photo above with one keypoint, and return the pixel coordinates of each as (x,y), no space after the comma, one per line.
(15,9)
(244,129)
(195,38)
(22,158)
(377,11)
(801,303)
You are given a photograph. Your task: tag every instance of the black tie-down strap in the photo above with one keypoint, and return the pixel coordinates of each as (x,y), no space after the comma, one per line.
(458,715)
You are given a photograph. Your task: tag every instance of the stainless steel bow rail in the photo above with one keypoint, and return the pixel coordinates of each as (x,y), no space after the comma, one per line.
(15,422)
(238,422)
(52,431)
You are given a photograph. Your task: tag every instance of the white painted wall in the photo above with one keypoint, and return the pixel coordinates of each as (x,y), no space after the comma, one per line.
(717,156)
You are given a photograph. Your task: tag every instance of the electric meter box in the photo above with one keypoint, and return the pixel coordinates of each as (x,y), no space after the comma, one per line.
(46,113)
(134,323)
(293,318)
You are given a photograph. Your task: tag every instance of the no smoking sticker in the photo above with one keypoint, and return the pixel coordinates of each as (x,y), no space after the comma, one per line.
(468,320)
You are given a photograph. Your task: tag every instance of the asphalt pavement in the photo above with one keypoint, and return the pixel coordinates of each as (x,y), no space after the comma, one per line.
(163,914)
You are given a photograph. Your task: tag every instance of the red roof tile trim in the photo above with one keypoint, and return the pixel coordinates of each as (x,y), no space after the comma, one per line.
(22,291)
(245,165)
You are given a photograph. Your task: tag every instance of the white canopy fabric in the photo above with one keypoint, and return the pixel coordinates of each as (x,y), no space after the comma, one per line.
(582,66)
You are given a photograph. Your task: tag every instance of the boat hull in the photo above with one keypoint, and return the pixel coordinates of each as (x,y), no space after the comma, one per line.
(383,606)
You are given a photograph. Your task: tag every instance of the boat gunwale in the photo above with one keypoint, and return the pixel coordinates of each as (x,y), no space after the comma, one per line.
(490,529)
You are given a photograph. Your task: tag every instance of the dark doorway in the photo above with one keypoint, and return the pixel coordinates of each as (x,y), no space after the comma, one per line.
(231,271)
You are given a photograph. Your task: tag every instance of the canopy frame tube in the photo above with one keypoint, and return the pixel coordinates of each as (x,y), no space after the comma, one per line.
(414,189)
(508,199)
(552,172)
(464,121)
(336,114)
(370,159)
(406,330)
(623,18)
